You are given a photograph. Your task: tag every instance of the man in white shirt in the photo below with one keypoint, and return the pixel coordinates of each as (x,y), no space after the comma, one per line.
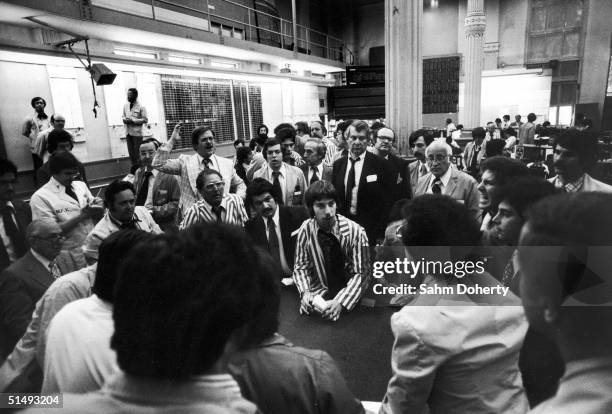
(315,151)
(78,355)
(442,179)
(121,213)
(68,202)
(134,117)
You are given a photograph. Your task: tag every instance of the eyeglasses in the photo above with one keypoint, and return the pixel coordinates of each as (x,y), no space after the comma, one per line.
(437,157)
(213,186)
(52,238)
(383,138)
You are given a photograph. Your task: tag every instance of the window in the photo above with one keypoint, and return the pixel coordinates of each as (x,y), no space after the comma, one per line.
(555,30)
(222,65)
(135,53)
(65,94)
(184,59)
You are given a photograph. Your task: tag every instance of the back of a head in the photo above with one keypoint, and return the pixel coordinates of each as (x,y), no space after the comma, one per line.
(284,125)
(284,134)
(55,137)
(478,133)
(523,191)
(302,128)
(63,161)
(180,298)
(242,154)
(111,254)
(7,166)
(494,147)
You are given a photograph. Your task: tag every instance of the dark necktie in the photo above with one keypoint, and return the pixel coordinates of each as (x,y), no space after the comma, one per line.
(474,161)
(334,262)
(423,170)
(277,186)
(206,163)
(217,210)
(17,238)
(436,187)
(129,225)
(350,184)
(315,177)
(143,191)
(508,274)
(273,240)
(71,193)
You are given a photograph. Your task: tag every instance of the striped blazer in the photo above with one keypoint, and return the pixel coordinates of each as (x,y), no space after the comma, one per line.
(201,212)
(309,269)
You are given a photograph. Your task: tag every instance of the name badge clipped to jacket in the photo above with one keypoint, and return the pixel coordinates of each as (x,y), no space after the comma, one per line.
(372,178)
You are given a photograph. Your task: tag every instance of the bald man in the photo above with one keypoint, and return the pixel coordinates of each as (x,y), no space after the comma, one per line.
(26,280)
(58,123)
(385,140)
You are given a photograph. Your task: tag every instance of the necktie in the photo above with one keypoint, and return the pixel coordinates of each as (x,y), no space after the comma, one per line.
(474,161)
(276,185)
(273,240)
(143,191)
(314,177)
(508,274)
(350,184)
(436,187)
(206,163)
(17,238)
(334,262)
(71,193)
(217,210)
(129,225)
(423,170)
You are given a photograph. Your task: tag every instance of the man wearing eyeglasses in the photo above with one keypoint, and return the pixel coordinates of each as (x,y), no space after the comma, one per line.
(385,138)
(26,280)
(215,206)
(442,179)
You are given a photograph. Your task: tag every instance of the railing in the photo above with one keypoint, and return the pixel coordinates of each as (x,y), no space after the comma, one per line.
(239,21)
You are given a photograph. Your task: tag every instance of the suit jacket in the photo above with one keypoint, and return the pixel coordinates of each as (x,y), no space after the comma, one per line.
(468,155)
(21,285)
(401,181)
(413,172)
(290,219)
(526,133)
(294,177)
(373,197)
(188,167)
(165,198)
(461,187)
(23,214)
(327,173)
(590,184)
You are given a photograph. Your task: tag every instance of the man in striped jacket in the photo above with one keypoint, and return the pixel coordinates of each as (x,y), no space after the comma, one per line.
(332,259)
(215,205)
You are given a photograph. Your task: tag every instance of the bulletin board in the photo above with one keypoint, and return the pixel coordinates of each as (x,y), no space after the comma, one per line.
(441,84)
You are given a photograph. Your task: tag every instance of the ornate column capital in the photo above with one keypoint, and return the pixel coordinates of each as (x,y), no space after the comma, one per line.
(475,24)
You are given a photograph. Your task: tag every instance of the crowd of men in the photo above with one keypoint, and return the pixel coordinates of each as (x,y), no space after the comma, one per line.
(137,303)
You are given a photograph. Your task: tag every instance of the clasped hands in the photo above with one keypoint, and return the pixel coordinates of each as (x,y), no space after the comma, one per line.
(332,311)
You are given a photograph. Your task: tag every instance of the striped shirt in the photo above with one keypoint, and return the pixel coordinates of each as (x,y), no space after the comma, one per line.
(309,270)
(233,212)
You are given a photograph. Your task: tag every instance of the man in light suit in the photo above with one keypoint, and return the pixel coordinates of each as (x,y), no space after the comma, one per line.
(315,169)
(526,132)
(575,153)
(189,166)
(442,179)
(474,152)
(26,280)
(157,192)
(364,184)
(286,178)
(274,227)
(419,140)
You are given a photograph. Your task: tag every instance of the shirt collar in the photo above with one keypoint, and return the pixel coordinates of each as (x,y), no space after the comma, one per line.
(445,177)
(360,158)
(56,185)
(282,170)
(42,259)
(119,224)
(574,186)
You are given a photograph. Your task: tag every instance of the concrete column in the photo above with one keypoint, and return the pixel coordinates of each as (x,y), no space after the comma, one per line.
(403,68)
(475,24)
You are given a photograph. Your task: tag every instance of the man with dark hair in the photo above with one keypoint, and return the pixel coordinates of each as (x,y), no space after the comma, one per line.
(173,340)
(78,356)
(287,139)
(506,122)
(450,127)
(158,192)
(134,117)
(444,180)
(68,202)
(317,131)
(33,125)
(16,215)
(496,172)
(575,153)
(363,182)
(289,180)
(315,169)
(262,131)
(383,147)
(418,141)
(258,160)
(526,132)
(332,257)
(302,133)
(58,140)
(283,378)
(215,206)
(25,281)
(273,225)
(189,166)
(566,293)
(474,152)
(121,213)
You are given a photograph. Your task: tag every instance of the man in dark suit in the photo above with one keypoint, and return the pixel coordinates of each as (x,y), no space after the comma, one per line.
(16,215)
(385,138)
(158,192)
(314,169)
(26,280)
(364,182)
(274,227)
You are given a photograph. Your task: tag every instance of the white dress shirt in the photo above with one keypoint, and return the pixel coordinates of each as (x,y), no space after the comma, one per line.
(281,249)
(319,173)
(281,178)
(445,179)
(358,166)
